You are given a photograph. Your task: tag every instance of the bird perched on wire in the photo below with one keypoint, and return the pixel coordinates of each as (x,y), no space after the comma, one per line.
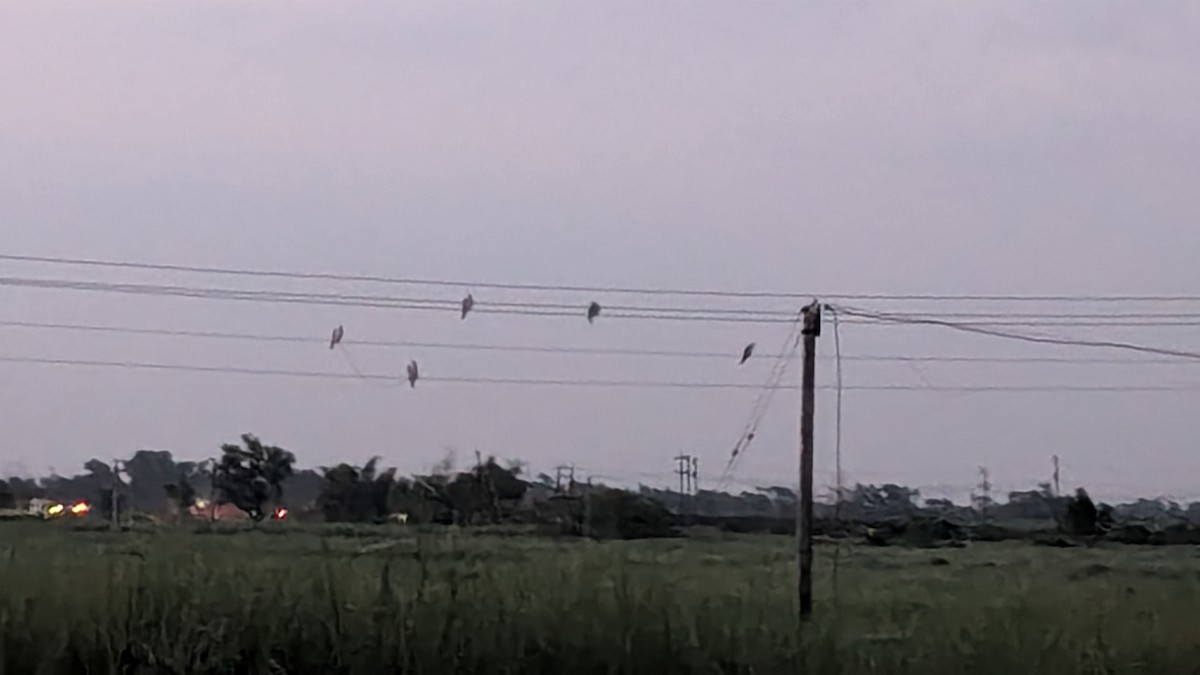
(336,338)
(593,311)
(413,374)
(747,353)
(468,304)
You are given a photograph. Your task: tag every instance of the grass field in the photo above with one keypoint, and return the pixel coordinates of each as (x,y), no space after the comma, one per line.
(368,601)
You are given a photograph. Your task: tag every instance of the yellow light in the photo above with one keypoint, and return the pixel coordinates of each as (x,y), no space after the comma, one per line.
(56,509)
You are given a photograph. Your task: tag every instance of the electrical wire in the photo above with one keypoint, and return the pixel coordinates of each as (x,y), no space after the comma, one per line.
(840,387)
(467,284)
(543,309)
(552,349)
(762,402)
(1024,337)
(591,383)
(389,302)
(1049,315)
(837,449)
(328,276)
(1052,322)
(350,361)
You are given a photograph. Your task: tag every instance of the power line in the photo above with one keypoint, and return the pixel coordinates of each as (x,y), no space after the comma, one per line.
(411,281)
(1050,315)
(552,349)
(840,388)
(468,284)
(1039,339)
(367,376)
(1015,359)
(763,401)
(396,303)
(968,297)
(1049,321)
(1013,298)
(589,383)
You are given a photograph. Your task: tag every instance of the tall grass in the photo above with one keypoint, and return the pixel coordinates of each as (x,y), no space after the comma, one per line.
(368,601)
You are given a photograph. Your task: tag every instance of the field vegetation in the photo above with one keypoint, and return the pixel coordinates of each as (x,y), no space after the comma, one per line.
(288,598)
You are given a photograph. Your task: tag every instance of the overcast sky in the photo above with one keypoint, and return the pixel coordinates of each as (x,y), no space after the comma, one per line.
(819,148)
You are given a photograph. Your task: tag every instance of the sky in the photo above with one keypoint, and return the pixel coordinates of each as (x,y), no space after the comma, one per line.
(815,148)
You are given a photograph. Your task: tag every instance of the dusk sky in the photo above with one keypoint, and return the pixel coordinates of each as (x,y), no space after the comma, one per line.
(816,148)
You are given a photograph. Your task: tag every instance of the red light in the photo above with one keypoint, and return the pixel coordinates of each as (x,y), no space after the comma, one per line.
(81,508)
(280,513)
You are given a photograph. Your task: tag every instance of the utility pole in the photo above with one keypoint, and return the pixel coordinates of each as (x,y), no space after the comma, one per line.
(587,509)
(1057,491)
(212,491)
(684,469)
(695,485)
(804,505)
(114,498)
(983,494)
(563,471)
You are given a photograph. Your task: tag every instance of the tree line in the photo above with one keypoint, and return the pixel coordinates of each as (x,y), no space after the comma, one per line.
(258,478)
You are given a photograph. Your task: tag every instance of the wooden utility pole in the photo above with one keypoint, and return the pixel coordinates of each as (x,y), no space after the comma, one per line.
(983,493)
(695,485)
(804,505)
(114,496)
(587,509)
(1057,492)
(212,491)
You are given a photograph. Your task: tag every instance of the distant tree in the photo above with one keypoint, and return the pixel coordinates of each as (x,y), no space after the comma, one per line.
(1082,515)
(303,488)
(422,498)
(149,472)
(352,494)
(7,499)
(446,466)
(249,477)
(98,469)
(885,500)
(83,486)
(181,493)
(481,492)
(625,515)
(25,488)
(778,492)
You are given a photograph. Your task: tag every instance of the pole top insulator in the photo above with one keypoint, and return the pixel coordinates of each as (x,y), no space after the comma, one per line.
(812,319)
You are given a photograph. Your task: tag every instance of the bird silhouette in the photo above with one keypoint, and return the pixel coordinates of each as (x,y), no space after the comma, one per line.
(413,374)
(747,353)
(468,304)
(336,338)
(593,311)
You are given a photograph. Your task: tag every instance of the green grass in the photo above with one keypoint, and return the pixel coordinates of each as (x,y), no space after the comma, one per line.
(367,600)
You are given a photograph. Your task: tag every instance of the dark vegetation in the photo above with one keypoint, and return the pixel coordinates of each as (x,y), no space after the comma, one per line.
(644,581)
(251,477)
(298,599)
(256,478)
